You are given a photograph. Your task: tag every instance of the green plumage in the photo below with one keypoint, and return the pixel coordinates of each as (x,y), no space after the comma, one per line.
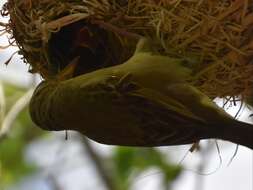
(146,101)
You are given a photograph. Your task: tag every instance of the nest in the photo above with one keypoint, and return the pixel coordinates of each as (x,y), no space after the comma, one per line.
(215,36)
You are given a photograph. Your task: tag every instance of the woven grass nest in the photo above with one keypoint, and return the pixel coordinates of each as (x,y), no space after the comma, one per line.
(215,35)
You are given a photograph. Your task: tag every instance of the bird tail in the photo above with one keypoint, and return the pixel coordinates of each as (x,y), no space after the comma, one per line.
(239,133)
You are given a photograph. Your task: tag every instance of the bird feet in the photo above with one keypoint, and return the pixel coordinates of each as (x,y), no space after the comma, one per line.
(123,84)
(126,84)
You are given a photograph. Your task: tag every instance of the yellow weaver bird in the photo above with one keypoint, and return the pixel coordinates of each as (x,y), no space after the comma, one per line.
(145,101)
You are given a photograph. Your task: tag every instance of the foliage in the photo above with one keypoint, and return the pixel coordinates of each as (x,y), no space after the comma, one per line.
(12,164)
(131,162)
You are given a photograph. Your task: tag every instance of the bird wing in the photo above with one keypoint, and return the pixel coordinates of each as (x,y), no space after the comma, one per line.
(164,120)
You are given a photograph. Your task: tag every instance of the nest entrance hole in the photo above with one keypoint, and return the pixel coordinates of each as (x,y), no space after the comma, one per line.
(88,44)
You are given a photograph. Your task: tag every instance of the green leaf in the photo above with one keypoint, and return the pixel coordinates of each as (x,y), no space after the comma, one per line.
(128,161)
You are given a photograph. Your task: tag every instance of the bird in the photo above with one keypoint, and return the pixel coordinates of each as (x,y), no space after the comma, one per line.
(147,101)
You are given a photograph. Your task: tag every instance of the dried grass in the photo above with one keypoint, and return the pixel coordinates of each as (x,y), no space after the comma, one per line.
(216,36)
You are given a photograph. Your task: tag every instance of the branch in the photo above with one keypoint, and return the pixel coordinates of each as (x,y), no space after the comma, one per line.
(53,181)
(20,104)
(107,180)
(2,103)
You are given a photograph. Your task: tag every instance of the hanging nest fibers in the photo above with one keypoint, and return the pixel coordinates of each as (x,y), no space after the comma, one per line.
(215,35)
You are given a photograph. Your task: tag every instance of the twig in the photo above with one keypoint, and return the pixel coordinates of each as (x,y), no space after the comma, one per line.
(108,182)
(53,181)
(204,153)
(20,104)
(2,102)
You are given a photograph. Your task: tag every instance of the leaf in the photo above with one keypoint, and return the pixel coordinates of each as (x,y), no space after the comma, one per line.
(129,161)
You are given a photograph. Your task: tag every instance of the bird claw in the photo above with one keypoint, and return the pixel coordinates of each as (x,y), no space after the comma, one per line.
(122,85)
(126,84)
